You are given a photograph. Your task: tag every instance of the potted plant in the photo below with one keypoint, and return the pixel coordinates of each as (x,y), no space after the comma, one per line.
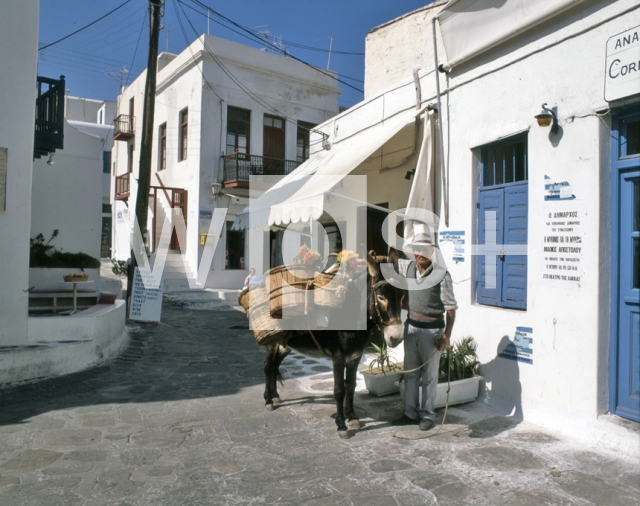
(382,377)
(462,361)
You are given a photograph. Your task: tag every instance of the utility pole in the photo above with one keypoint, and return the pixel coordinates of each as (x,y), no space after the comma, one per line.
(144,173)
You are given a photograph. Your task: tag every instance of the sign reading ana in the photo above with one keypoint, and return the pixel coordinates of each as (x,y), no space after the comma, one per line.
(622,73)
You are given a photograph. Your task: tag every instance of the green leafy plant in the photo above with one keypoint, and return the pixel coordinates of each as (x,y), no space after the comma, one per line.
(382,362)
(45,254)
(119,267)
(464,360)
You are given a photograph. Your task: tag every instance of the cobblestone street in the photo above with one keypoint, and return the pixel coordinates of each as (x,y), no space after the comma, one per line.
(178,419)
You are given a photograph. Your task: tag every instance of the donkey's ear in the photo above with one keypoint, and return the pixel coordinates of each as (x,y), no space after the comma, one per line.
(372,264)
(393,257)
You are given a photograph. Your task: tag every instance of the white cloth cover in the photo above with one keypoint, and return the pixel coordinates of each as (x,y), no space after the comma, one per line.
(470,27)
(426,187)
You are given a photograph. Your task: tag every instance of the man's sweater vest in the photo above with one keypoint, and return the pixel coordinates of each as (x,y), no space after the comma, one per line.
(426,302)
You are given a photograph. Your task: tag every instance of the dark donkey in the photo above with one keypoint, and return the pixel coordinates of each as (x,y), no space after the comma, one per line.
(343,347)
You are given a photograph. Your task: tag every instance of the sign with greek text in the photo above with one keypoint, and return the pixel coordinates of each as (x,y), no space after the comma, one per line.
(622,72)
(146,304)
(563,244)
(457,238)
(520,349)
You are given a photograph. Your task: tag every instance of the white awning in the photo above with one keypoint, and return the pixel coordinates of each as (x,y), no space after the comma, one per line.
(300,195)
(470,27)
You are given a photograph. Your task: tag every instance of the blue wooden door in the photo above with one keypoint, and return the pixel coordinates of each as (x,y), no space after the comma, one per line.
(625,335)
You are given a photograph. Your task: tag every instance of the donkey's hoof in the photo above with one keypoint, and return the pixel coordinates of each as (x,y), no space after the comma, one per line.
(354,424)
(276,400)
(269,407)
(344,434)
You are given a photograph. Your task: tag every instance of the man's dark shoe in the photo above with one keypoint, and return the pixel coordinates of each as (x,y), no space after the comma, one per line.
(404,420)
(426,424)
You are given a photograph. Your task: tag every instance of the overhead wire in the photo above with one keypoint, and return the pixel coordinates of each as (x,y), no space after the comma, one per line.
(256,37)
(239,83)
(85,27)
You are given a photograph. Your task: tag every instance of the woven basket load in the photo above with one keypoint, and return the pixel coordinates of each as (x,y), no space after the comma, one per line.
(255,302)
(329,289)
(291,290)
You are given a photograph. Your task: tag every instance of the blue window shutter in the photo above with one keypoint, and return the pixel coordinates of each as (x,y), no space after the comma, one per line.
(489,200)
(514,268)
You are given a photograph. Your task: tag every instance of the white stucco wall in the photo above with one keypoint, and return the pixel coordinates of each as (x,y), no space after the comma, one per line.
(68,195)
(18,65)
(396,48)
(82,109)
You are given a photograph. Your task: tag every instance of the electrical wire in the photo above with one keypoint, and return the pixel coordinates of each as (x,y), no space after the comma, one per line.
(85,27)
(270,44)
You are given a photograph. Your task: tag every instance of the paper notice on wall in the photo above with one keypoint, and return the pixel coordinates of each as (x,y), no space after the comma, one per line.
(563,244)
(146,303)
(3,180)
(457,238)
(520,349)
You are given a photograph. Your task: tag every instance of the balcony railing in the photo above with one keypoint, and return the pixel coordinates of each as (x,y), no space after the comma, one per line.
(238,167)
(122,186)
(124,127)
(49,128)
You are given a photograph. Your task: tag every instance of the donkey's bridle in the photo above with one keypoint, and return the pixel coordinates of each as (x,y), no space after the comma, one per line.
(381,324)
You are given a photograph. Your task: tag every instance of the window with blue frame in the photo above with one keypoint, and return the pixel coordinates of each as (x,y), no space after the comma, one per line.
(501,278)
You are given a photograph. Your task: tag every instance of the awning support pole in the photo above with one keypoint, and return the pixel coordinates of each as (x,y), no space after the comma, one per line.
(445,175)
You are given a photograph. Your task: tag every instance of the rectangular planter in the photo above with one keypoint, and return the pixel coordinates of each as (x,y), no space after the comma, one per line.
(462,391)
(381,384)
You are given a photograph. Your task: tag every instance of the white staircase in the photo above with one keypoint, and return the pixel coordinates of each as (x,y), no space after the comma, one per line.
(176,276)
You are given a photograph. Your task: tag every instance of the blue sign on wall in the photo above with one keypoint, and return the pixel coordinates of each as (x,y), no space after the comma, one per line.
(520,349)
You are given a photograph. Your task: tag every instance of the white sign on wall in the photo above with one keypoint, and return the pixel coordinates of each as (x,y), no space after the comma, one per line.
(563,244)
(146,304)
(622,72)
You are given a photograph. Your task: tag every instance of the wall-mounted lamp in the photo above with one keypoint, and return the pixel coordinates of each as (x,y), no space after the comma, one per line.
(548,117)
(326,144)
(50,160)
(216,190)
(409,174)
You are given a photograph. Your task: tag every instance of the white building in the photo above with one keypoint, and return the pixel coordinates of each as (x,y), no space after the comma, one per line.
(36,195)
(95,117)
(223,113)
(539,225)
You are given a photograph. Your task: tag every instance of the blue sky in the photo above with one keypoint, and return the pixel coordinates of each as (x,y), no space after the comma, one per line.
(92,60)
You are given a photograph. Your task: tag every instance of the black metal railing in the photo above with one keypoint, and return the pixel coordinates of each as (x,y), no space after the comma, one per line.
(49,127)
(124,127)
(239,166)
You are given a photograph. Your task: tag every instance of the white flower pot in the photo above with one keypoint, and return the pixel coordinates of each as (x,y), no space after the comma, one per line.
(465,390)
(381,384)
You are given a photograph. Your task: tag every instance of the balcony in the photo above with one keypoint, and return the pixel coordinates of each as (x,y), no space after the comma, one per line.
(238,167)
(122,186)
(49,128)
(124,127)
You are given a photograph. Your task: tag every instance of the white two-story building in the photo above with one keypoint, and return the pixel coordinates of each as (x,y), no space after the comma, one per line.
(223,113)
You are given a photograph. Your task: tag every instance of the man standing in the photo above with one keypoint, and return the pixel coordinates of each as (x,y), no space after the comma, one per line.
(427,331)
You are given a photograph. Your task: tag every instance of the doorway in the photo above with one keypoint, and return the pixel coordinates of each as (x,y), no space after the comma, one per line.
(624,379)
